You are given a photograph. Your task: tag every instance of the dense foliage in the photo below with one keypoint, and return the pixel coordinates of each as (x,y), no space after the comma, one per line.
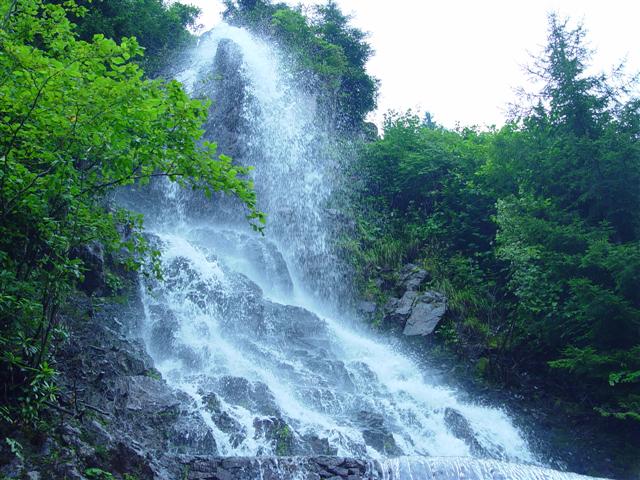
(323,43)
(532,230)
(161,28)
(77,119)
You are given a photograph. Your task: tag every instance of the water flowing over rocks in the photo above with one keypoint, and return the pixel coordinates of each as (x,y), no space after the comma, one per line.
(460,427)
(116,411)
(249,328)
(243,363)
(251,255)
(122,417)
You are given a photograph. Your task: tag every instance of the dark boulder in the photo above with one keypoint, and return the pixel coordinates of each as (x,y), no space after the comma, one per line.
(94,277)
(376,434)
(461,429)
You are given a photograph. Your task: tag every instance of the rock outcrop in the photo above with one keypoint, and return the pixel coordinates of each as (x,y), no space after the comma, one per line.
(412,308)
(94,277)
(427,310)
(117,415)
(459,426)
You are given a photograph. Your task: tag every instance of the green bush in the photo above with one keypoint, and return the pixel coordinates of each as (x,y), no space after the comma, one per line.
(532,231)
(161,28)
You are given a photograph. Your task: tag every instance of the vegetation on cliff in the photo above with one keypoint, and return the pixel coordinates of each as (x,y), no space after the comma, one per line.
(78,119)
(322,42)
(533,229)
(161,28)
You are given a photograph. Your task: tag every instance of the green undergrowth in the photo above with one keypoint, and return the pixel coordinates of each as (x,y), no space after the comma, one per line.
(532,231)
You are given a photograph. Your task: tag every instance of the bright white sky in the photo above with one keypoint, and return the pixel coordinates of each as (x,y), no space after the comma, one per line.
(462,59)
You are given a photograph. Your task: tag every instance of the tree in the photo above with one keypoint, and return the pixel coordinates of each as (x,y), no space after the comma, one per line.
(541,217)
(358,89)
(577,101)
(568,215)
(77,119)
(577,305)
(160,29)
(579,137)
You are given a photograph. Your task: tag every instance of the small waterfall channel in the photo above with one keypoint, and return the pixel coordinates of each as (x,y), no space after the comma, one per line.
(251,327)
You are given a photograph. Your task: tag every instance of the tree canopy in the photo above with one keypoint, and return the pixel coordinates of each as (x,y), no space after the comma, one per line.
(78,119)
(160,29)
(533,229)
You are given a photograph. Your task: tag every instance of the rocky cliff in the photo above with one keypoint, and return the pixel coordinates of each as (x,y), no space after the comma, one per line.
(118,417)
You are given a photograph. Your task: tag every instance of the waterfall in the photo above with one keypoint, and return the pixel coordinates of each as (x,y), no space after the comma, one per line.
(252,327)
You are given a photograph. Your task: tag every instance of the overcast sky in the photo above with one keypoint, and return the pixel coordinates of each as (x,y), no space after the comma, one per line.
(462,59)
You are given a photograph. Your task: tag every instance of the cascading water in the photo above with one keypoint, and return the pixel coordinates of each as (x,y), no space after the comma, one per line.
(250,326)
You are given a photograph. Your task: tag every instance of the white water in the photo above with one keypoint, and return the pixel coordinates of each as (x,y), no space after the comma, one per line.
(222,325)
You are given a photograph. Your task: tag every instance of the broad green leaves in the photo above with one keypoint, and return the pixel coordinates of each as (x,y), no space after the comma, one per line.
(78,120)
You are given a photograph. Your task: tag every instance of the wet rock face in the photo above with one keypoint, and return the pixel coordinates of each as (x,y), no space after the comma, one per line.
(287,468)
(162,332)
(161,415)
(459,426)
(223,83)
(92,256)
(121,416)
(292,342)
(269,427)
(225,86)
(245,410)
(376,434)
